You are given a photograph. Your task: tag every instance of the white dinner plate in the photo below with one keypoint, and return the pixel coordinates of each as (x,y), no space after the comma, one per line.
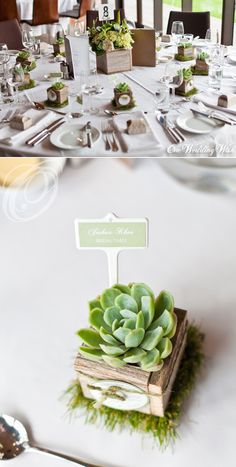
(198,125)
(232,59)
(65,137)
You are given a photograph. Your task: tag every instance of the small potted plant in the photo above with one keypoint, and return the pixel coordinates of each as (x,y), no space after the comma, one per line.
(59,46)
(57,95)
(112,43)
(187,88)
(185,52)
(133,338)
(26,60)
(123,97)
(201,67)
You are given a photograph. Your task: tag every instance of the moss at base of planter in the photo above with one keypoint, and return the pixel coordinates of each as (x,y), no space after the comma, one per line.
(164,430)
(197,72)
(181,58)
(29,85)
(187,94)
(125,107)
(56,106)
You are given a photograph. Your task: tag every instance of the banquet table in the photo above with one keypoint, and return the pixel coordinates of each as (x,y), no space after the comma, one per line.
(45,286)
(25,7)
(196,145)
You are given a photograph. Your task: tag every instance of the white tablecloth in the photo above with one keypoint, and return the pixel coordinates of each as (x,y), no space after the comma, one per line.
(145,102)
(25,7)
(46,283)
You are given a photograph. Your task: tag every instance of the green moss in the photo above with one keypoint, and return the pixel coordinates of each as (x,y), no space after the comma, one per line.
(197,72)
(182,58)
(187,94)
(164,430)
(55,105)
(30,85)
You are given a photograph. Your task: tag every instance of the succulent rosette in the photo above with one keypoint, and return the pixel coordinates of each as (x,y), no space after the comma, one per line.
(130,326)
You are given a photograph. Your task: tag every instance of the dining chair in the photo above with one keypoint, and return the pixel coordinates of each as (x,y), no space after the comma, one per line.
(44,12)
(10,34)
(8,10)
(79,11)
(196,23)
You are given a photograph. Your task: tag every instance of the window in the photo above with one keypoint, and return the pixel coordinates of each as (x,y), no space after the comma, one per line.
(169,5)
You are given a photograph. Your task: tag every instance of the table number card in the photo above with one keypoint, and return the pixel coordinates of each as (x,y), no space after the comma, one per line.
(106,12)
(112,235)
(77,55)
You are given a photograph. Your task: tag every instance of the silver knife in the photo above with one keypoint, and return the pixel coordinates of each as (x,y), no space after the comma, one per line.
(211,117)
(174,139)
(45,135)
(88,130)
(42,132)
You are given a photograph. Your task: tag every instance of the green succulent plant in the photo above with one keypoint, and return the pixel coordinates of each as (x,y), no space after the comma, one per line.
(122,87)
(130,326)
(202,56)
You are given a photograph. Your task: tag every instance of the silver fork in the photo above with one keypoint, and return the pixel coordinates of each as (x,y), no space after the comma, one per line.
(105,136)
(114,145)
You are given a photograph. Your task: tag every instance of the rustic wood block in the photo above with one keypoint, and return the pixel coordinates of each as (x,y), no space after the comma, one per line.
(201,65)
(186,51)
(115,61)
(156,385)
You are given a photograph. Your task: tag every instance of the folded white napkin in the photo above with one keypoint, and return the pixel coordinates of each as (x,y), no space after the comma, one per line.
(212,100)
(135,143)
(41,119)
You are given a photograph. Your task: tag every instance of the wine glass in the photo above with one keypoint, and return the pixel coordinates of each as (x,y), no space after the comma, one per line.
(4,56)
(28,38)
(177,30)
(79,28)
(56,32)
(18,75)
(173,77)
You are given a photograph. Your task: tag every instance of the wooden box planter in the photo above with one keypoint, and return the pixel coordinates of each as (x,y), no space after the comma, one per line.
(186,87)
(186,52)
(58,49)
(201,65)
(130,388)
(58,97)
(115,61)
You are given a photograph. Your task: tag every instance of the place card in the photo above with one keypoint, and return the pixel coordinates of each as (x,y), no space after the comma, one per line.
(112,235)
(77,55)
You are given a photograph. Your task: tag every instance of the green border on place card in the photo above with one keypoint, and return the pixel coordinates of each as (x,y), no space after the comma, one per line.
(112,234)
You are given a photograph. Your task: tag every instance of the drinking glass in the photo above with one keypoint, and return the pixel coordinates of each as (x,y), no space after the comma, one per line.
(28,38)
(4,56)
(173,77)
(208,35)
(79,28)
(56,31)
(177,30)
(18,78)
(215,76)
(162,98)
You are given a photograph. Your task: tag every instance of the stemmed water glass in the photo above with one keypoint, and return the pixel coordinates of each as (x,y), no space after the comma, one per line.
(177,30)
(18,78)
(173,78)
(4,57)
(28,38)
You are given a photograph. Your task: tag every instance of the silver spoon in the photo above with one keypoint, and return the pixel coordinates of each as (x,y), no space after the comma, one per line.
(14,441)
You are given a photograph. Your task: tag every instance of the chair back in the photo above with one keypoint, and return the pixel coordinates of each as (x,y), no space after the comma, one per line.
(196,23)
(8,10)
(92,15)
(85,5)
(45,12)
(10,33)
